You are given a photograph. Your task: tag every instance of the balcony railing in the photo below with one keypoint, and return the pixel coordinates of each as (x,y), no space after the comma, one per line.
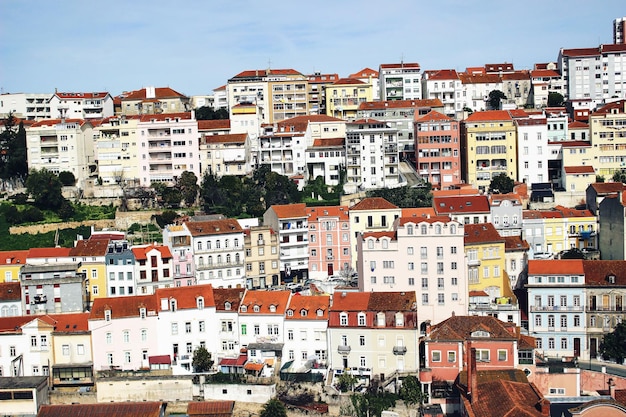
(399,350)
(343,349)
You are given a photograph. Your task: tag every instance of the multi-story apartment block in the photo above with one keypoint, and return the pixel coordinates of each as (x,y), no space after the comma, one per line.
(116,141)
(167,146)
(71,343)
(574,171)
(227,154)
(466,209)
(317,91)
(612,226)
(373,334)
(556,307)
(372,156)
(62,145)
(329,241)
(544,82)
(581,226)
(218,249)
(446,86)
(578,131)
(178,239)
(517,86)
(437,153)
(10,264)
(283,147)
(489,147)
(120,270)
(423,255)
(290,221)
(597,191)
(372,214)
(91,255)
(262,257)
(368,75)
(227,311)
(476,88)
(619,30)
(401,81)
(326,158)
(27,106)
(344,96)
(557,123)
(593,73)
(506,214)
(516,258)
(532,144)
(608,137)
(153,265)
(306,325)
(81,105)
(154,100)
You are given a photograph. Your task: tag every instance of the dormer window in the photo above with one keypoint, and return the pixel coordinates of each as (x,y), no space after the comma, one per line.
(611,278)
(227,306)
(303,312)
(480,333)
(256,309)
(289,313)
(107,315)
(320,312)
(399,319)
(244,309)
(272,308)
(142,312)
(173,304)
(380,319)
(361,319)
(200,303)
(343,319)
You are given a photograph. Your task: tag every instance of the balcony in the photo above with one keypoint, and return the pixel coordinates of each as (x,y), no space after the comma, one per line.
(343,349)
(399,350)
(473,262)
(556,308)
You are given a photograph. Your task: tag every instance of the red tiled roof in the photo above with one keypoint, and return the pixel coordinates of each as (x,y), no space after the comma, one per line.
(186,297)
(417,220)
(488,115)
(210,408)
(505,66)
(481,233)
(573,143)
(122,307)
(48,252)
(96,247)
(164,116)
(348,81)
(328,142)
(364,73)
(432,116)
(81,95)
(442,74)
(378,235)
(572,212)
(502,397)
(555,267)
(544,73)
(54,122)
(373,203)
(597,273)
(608,108)
(401,104)
(252,366)
(264,72)
(418,212)
(141,253)
(461,204)
(228,138)
(607,187)
(315,213)
(238,361)
(222,296)
(10,291)
(582,169)
(289,211)
(401,65)
(213,227)
(517,75)
(479,78)
(159,92)
(311,304)
(13,257)
(577,125)
(322,78)
(119,409)
(70,322)
(581,52)
(460,328)
(265,299)
(160,360)
(475,293)
(350,301)
(14,324)
(218,124)
(515,243)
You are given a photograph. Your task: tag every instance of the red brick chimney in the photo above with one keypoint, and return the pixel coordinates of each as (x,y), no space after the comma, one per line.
(472,377)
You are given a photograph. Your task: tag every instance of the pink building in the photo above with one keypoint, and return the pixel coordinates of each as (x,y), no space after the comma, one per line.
(154,268)
(437,150)
(329,241)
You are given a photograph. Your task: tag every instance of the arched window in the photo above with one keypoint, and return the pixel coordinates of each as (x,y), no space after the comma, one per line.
(409,229)
(228,258)
(453,228)
(199,245)
(424,229)
(237,258)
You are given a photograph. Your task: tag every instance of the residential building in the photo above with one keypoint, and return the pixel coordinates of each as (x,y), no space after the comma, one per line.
(489,147)
(27,106)
(317,91)
(153,268)
(544,82)
(116,141)
(71,347)
(227,154)
(153,101)
(218,250)
(372,156)
(476,88)
(120,270)
(401,81)
(597,191)
(329,241)
(10,299)
(10,264)
(437,149)
(389,261)
(81,105)
(227,301)
(372,214)
(27,346)
(326,158)
(35,388)
(306,325)
(344,96)
(283,147)
(262,257)
(446,86)
(220,97)
(91,255)
(167,147)
(517,86)
(370,76)
(607,137)
(577,161)
(506,213)
(532,150)
(373,335)
(556,307)
(147,409)
(466,209)
(619,30)
(612,227)
(62,145)
(516,259)
(581,226)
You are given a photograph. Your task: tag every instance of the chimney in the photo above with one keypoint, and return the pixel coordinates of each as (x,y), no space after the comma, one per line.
(612,387)
(472,377)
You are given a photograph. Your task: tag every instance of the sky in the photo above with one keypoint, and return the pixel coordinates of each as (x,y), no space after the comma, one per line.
(195,46)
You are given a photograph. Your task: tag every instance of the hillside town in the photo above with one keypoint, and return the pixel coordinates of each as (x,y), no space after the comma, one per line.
(366,306)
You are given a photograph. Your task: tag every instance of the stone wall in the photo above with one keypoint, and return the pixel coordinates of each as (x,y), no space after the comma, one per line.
(51,227)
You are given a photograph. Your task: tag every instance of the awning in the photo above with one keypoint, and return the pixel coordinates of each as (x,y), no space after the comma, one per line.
(251,366)
(160,360)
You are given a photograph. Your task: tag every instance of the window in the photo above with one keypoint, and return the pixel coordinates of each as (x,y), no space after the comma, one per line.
(126,336)
(66,350)
(343,319)
(551,343)
(502,355)
(441,298)
(361,319)
(451,356)
(425,299)
(201,326)
(361,340)
(482,355)
(174,328)
(436,356)
(290,334)
(188,327)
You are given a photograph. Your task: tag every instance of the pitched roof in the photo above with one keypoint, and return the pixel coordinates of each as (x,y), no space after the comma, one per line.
(377,235)
(555,267)
(348,81)
(221,296)
(418,212)
(265,72)
(159,92)
(573,212)
(329,142)
(213,227)
(217,124)
(373,203)
(392,301)
(13,257)
(186,297)
(460,328)
(122,307)
(48,252)
(515,243)
(210,408)
(545,73)
(10,291)
(14,324)
(97,247)
(350,301)
(265,299)
(70,322)
(417,220)
(120,409)
(577,124)
(607,187)
(488,115)
(289,211)
(432,116)
(401,65)
(364,73)
(574,143)
(461,204)
(228,138)
(141,253)
(581,169)
(608,108)
(442,74)
(481,233)
(580,52)
(401,104)
(145,118)
(81,95)
(314,213)
(311,304)
(597,273)
(54,122)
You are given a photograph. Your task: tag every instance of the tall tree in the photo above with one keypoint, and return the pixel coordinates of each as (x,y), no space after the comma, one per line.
(613,345)
(13,159)
(45,188)
(188,185)
(495,99)
(411,391)
(202,361)
(406,197)
(273,408)
(555,99)
(209,113)
(501,184)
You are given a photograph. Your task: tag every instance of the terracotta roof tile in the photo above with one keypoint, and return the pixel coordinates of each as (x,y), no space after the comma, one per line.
(122,307)
(574,144)
(315,213)
(378,235)
(159,93)
(264,300)
(461,204)
(96,247)
(54,122)
(442,74)
(364,73)
(164,116)
(401,104)
(350,301)
(460,328)
(418,212)
(348,81)
(515,243)
(120,409)
(213,227)
(555,267)
(210,408)
(608,108)
(14,324)
(187,297)
(373,203)
(581,52)
(582,169)
(328,142)
(431,220)
(572,212)
(70,322)
(545,73)
(392,301)
(290,211)
(310,305)
(481,233)
(607,187)
(597,273)
(227,295)
(228,138)
(488,115)
(14,257)
(141,253)
(432,116)
(401,65)
(577,125)
(479,78)
(48,252)
(10,291)
(218,124)
(265,72)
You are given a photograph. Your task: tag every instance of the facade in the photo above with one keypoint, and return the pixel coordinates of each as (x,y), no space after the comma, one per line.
(71,346)
(54,288)
(619,30)
(167,147)
(27,106)
(344,96)
(532,148)
(178,239)
(489,146)
(373,335)
(326,158)
(62,145)
(476,88)
(153,268)
(506,214)
(446,86)
(544,82)
(306,324)
(290,221)
(283,147)
(517,86)
(389,261)
(516,259)
(608,136)
(368,75)
(227,154)
(317,91)
(81,105)
(116,141)
(120,270)
(262,257)
(329,241)
(468,209)
(227,302)
(612,228)
(10,299)
(372,156)
(10,264)
(402,81)
(91,255)
(154,100)
(437,154)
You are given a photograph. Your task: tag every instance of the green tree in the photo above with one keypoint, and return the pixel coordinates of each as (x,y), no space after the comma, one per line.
(209,113)
(372,404)
(619,176)
(406,197)
(45,188)
(501,184)
(67,178)
(13,159)
(188,185)
(346,381)
(273,408)
(600,178)
(210,193)
(411,391)
(555,99)
(613,345)
(66,211)
(165,218)
(495,99)
(201,361)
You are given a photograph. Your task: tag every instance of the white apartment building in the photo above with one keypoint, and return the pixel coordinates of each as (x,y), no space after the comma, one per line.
(227,154)
(446,86)
(81,105)
(402,81)
(116,149)
(306,324)
(532,150)
(28,106)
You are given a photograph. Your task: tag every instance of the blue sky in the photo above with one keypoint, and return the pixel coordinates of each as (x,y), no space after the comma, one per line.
(195,46)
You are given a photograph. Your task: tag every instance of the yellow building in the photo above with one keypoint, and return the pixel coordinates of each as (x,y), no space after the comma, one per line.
(608,136)
(581,228)
(344,96)
(90,254)
(489,147)
(262,257)
(10,264)
(486,261)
